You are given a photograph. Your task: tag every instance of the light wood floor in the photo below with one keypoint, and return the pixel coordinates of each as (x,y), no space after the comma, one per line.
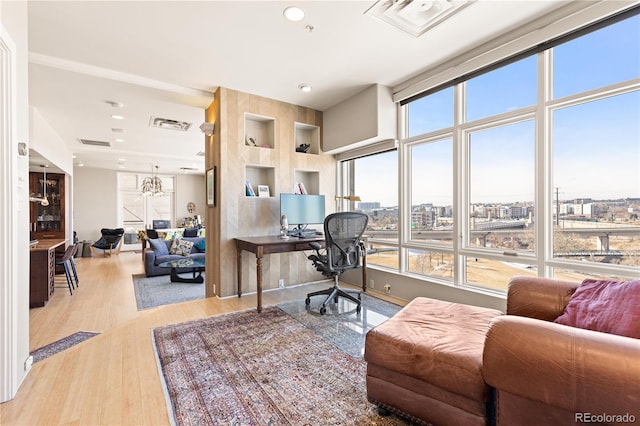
(111,378)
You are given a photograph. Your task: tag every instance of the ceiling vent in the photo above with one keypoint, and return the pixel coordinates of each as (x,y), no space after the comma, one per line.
(166,123)
(94,143)
(200,154)
(188,169)
(415,16)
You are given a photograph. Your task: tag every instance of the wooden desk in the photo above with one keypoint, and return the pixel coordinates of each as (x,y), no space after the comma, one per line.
(274,244)
(42,271)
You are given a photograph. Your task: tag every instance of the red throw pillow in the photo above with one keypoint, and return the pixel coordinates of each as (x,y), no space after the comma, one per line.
(607,306)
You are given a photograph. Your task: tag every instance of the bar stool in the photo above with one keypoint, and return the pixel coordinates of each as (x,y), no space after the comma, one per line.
(65,261)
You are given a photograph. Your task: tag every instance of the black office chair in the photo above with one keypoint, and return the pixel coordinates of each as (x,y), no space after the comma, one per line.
(344,249)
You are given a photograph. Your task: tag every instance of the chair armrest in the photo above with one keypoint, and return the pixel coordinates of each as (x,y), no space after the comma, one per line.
(316,246)
(540,298)
(582,371)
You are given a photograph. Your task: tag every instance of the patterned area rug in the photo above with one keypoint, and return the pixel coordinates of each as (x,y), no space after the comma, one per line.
(157,291)
(60,345)
(260,369)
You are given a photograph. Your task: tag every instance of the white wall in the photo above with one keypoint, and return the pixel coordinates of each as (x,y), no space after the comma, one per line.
(95,194)
(190,188)
(15,339)
(47,143)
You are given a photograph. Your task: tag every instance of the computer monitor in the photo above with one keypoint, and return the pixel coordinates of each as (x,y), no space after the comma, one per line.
(161,224)
(302,210)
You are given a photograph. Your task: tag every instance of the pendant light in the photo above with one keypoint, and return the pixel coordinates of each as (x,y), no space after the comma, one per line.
(45,200)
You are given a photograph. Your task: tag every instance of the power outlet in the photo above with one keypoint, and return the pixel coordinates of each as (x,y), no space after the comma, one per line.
(387,288)
(280,283)
(372,284)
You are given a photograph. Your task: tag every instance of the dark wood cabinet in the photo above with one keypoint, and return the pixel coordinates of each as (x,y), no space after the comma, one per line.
(47,222)
(42,271)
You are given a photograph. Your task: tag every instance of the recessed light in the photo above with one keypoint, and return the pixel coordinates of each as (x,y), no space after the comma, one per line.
(304,87)
(121,159)
(80,164)
(117,117)
(119,140)
(293,13)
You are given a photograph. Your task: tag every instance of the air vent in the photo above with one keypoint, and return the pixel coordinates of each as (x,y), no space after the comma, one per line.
(200,154)
(94,143)
(416,16)
(165,123)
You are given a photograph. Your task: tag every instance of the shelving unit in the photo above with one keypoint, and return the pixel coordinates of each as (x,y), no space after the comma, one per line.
(259,130)
(307,134)
(260,175)
(47,221)
(310,179)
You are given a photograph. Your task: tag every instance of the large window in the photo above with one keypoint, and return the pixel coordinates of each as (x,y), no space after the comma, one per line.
(538,174)
(501,185)
(374,181)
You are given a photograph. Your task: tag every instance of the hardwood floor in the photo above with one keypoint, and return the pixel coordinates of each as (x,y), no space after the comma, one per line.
(111,378)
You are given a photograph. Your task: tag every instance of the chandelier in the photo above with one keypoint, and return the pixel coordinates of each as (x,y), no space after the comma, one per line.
(152,185)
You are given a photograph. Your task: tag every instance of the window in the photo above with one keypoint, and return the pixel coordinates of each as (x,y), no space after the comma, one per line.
(529,182)
(596,181)
(433,112)
(502,187)
(603,57)
(374,179)
(432,192)
(506,89)
(138,211)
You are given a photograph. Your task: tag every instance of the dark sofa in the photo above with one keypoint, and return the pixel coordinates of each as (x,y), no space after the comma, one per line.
(153,257)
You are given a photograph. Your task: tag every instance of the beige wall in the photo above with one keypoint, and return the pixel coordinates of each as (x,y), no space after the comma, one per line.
(237,215)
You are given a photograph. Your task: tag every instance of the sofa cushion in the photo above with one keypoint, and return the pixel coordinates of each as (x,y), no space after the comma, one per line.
(181,247)
(201,245)
(606,306)
(159,246)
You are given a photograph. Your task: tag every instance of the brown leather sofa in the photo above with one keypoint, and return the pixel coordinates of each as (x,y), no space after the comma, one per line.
(551,374)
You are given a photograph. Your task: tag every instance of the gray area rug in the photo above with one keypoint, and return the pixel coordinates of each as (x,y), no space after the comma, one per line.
(341,325)
(60,345)
(158,291)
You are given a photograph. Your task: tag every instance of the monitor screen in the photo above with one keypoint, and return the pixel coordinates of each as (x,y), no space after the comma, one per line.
(161,224)
(302,209)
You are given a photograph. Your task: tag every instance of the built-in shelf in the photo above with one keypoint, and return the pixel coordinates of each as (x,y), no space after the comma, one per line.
(259,131)
(310,179)
(307,134)
(260,175)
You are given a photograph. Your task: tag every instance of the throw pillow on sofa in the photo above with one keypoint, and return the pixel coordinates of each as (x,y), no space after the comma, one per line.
(606,306)
(181,247)
(201,245)
(159,246)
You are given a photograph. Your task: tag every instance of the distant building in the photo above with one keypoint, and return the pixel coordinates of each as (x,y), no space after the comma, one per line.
(368,206)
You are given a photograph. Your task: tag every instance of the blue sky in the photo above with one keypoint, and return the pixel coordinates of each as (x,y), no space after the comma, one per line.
(596,145)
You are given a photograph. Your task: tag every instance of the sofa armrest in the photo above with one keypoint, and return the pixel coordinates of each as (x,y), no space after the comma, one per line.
(582,371)
(540,298)
(149,260)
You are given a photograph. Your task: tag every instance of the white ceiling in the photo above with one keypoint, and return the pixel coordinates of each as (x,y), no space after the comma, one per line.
(165,59)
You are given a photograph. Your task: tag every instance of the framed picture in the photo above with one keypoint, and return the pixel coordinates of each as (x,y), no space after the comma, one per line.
(263,191)
(211,187)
